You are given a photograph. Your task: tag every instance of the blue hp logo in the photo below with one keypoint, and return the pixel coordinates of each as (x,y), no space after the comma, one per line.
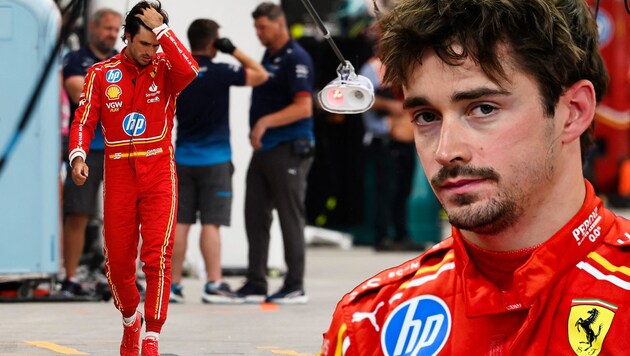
(420,326)
(134,124)
(113,76)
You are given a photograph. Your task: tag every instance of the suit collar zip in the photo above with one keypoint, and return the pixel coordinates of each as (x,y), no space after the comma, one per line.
(542,271)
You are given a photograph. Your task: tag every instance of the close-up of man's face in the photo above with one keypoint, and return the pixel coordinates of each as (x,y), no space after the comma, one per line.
(487,149)
(267,29)
(105,33)
(143,46)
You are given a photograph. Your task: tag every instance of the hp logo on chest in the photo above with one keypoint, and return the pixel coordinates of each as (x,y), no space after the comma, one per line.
(134,124)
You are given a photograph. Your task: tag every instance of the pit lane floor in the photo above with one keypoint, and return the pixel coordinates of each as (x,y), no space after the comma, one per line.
(195,328)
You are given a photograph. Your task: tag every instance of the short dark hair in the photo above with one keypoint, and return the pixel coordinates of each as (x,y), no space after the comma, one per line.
(201,32)
(269,10)
(554,41)
(132,23)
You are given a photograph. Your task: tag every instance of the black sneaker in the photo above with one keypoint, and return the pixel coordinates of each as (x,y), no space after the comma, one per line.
(288,296)
(72,289)
(176,293)
(251,294)
(219,293)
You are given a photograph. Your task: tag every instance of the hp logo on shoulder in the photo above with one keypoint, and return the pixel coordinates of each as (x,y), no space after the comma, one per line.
(134,124)
(420,326)
(113,75)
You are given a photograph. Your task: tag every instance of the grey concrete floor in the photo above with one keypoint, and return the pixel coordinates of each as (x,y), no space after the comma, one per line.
(194,328)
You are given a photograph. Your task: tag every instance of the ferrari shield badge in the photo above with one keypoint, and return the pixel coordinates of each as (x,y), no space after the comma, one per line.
(589,322)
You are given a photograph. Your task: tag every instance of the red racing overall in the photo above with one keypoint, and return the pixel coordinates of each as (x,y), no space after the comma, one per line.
(136,106)
(572,297)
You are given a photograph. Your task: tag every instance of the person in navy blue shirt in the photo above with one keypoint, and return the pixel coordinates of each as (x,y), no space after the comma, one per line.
(283,141)
(79,202)
(204,155)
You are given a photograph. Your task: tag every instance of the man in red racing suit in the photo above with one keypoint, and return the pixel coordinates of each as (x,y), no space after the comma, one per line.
(134,95)
(570,297)
(502,96)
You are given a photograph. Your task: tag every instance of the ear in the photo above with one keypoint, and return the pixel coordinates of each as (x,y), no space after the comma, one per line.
(577,109)
(282,22)
(210,50)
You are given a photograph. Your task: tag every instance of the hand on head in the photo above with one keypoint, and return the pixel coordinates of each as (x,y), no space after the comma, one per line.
(151,18)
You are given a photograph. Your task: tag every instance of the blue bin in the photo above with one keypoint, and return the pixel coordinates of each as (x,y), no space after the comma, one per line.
(29,181)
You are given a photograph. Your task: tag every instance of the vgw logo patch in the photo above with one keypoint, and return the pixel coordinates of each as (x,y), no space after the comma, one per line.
(419,326)
(134,124)
(589,322)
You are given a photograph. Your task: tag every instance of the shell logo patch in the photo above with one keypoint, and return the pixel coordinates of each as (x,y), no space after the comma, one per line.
(113,92)
(589,322)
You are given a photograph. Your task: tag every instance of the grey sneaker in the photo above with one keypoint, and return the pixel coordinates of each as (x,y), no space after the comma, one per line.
(288,296)
(176,293)
(219,293)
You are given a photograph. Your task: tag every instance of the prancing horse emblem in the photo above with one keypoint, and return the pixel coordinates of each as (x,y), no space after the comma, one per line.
(587,326)
(589,322)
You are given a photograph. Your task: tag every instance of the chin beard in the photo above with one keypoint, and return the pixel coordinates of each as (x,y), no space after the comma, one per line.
(105,48)
(491,218)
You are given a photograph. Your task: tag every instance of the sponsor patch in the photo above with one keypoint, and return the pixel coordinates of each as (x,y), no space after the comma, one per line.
(589,322)
(114,106)
(419,326)
(113,92)
(589,228)
(154,91)
(154,152)
(113,75)
(134,124)
(301,71)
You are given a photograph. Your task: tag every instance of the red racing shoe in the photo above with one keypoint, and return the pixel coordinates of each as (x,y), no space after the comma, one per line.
(130,345)
(150,347)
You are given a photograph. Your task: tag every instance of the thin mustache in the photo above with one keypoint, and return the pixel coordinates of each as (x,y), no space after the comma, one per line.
(463,171)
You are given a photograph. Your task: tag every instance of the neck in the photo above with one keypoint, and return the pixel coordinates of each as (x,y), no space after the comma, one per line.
(99,54)
(279,42)
(498,267)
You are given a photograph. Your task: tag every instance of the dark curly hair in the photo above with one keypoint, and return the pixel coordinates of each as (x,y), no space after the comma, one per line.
(554,41)
(132,23)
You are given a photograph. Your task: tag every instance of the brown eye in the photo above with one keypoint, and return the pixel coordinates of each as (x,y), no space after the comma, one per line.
(424,118)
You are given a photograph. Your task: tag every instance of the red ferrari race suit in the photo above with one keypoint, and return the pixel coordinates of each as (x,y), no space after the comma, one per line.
(136,106)
(571,297)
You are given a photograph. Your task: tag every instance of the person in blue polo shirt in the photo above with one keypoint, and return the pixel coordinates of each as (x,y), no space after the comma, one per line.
(204,155)
(283,141)
(79,202)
